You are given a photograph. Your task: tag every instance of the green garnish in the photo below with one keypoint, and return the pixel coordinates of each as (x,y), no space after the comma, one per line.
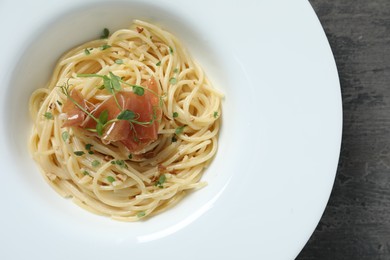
(105,33)
(130,156)
(103,117)
(138,90)
(48,115)
(99,129)
(174,139)
(215,114)
(173,81)
(65,136)
(119,61)
(110,179)
(101,121)
(105,47)
(95,163)
(126,115)
(85,172)
(175,114)
(158,63)
(176,70)
(88,147)
(141,214)
(180,129)
(87,52)
(170,50)
(59,103)
(161,181)
(112,84)
(120,163)
(79,153)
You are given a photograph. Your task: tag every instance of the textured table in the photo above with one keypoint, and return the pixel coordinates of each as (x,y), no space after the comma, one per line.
(356,222)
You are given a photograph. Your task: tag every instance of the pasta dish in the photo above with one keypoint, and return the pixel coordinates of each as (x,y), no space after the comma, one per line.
(127,123)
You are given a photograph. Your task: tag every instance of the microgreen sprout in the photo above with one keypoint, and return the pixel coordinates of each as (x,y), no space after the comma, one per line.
(95,163)
(113,84)
(48,115)
(161,180)
(65,136)
(79,153)
(105,33)
(179,129)
(110,179)
(141,214)
(88,148)
(105,47)
(173,81)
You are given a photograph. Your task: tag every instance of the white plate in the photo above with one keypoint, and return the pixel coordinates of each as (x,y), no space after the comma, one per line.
(279,145)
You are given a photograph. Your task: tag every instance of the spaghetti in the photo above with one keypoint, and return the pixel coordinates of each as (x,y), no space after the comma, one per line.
(127,123)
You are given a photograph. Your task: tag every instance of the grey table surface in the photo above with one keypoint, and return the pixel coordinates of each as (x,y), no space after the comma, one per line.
(356,221)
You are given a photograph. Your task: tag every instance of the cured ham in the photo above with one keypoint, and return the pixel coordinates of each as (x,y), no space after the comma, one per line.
(136,133)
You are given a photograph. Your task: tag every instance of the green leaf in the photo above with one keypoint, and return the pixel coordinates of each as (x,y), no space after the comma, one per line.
(119,61)
(158,63)
(108,84)
(79,153)
(170,50)
(59,103)
(176,70)
(180,129)
(65,136)
(161,181)
(141,214)
(103,117)
(130,156)
(215,114)
(105,33)
(48,115)
(110,179)
(121,163)
(126,115)
(138,90)
(105,46)
(175,114)
(85,172)
(115,81)
(174,139)
(88,147)
(87,52)
(173,81)
(95,163)
(99,129)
